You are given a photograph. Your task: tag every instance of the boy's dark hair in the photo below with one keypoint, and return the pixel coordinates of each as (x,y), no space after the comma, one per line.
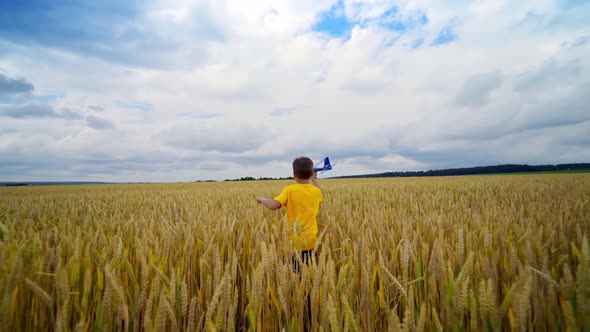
(303,168)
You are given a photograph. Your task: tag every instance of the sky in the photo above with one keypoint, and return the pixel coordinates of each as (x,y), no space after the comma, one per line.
(180,90)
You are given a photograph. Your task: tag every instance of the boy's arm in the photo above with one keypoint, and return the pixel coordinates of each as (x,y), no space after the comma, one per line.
(269,203)
(314,180)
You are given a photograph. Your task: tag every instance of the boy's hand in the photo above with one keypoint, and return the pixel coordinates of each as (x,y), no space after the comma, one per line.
(269,203)
(315,175)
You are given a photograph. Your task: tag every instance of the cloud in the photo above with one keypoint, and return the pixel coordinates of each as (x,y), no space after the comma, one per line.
(212,166)
(549,75)
(230,137)
(96,108)
(69,114)
(476,90)
(28,111)
(97,123)
(123,33)
(581,41)
(15,88)
(570,109)
(21,103)
(35,110)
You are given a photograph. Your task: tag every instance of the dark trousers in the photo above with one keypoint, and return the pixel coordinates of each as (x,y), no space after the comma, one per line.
(305,258)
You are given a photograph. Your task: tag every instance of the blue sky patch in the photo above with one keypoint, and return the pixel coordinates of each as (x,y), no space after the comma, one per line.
(423,19)
(390,12)
(395,25)
(333,22)
(445,36)
(391,21)
(572,3)
(48,98)
(417,43)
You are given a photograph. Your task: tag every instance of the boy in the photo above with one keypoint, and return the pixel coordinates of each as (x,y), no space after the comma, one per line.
(303,203)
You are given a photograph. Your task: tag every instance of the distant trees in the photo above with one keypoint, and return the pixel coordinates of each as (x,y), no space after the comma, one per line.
(249,178)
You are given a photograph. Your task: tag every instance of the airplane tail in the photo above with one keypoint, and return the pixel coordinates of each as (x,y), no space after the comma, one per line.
(325,167)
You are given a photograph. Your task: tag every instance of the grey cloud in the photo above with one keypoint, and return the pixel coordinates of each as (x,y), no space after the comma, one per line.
(575,135)
(459,156)
(85,168)
(11,87)
(580,41)
(550,74)
(550,95)
(536,146)
(572,109)
(28,111)
(476,90)
(19,163)
(466,154)
(114,31)
(96,108)
(457,153)
(21,111)
(212,166)
(516,117)
(66,113)
(374,144)
(227,138)
(97,123)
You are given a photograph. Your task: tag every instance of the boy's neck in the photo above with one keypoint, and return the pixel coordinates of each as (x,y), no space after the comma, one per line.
(302,181)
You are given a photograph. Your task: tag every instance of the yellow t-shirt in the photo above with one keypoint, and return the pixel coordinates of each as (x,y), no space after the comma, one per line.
(303,203)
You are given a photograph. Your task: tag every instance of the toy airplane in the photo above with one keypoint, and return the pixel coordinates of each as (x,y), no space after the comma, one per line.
(325,168)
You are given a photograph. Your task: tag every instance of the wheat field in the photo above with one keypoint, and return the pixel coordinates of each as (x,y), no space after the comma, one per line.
(417,254)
